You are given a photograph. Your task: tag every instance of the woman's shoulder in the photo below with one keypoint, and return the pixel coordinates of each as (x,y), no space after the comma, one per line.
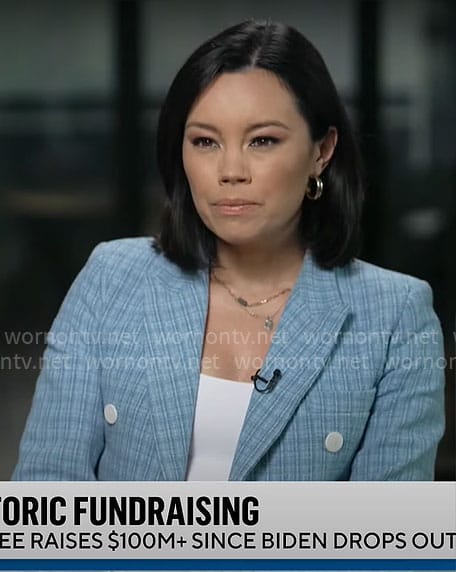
(124,251)
(121,263)
(373,275)
(127,261)
(362,282)
(127,255)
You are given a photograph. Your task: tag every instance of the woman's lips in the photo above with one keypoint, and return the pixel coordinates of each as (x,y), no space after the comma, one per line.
(234,207)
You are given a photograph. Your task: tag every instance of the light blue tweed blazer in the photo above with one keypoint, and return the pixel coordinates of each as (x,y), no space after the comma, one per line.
(358,348)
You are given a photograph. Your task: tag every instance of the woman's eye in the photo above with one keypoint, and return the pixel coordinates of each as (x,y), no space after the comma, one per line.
(264,141)
(204,142)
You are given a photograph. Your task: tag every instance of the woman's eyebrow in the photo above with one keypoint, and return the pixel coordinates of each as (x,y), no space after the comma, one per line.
(268,124)
(251,127)
(201,126)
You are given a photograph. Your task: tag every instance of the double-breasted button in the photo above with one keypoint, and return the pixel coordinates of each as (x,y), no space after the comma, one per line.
(110,413)
(334,442)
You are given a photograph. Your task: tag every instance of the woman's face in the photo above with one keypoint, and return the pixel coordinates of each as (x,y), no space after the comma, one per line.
(248,155)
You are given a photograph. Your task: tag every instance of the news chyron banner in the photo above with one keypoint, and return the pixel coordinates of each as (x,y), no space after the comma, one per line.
(212,526)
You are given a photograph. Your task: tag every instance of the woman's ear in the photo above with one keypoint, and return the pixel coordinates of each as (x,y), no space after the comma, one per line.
(325,149)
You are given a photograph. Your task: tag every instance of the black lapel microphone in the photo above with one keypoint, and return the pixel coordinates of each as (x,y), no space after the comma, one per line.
(269,383)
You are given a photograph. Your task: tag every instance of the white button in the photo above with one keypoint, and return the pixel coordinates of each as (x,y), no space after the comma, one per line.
(110,413)
(334,442)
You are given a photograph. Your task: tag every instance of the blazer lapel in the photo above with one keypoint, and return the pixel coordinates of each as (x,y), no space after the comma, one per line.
(175,318)
(174,324)
(304,339)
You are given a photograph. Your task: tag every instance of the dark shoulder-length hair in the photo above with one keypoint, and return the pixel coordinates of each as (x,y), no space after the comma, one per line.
(330,226)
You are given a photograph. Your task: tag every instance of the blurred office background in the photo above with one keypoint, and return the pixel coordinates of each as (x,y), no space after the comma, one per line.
(81,83)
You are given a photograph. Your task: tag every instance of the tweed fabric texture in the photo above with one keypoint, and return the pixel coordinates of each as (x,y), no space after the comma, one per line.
(359,348)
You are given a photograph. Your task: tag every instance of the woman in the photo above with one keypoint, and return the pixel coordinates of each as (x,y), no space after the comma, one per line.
(246,342)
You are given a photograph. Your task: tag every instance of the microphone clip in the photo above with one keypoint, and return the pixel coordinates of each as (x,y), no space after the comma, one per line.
(269,383)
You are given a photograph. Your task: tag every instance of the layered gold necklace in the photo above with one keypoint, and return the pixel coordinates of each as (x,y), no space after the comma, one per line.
(268,319)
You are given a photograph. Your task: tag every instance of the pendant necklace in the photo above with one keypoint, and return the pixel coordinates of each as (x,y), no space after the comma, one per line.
(268,320)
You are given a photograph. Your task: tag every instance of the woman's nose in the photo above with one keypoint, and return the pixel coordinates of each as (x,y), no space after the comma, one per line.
(233,168)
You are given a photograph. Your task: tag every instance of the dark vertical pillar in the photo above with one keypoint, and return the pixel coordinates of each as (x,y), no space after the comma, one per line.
(368,15)
(128,163)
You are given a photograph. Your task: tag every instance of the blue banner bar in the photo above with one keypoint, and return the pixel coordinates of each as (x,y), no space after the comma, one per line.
(222,564)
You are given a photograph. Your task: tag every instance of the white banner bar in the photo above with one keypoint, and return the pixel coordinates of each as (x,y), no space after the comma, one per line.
(228,520)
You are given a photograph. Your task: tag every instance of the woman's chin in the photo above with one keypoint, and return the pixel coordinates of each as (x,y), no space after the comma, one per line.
(242,241)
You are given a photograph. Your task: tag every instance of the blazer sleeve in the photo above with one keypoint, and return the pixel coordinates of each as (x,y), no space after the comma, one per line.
(407,420)
(63,437)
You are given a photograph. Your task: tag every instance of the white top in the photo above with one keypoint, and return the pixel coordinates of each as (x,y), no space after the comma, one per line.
(221,406)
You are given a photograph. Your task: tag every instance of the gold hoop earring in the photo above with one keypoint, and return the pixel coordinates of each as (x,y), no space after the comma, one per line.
(314,192)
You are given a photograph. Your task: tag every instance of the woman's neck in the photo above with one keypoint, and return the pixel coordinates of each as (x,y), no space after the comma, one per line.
(258,268)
